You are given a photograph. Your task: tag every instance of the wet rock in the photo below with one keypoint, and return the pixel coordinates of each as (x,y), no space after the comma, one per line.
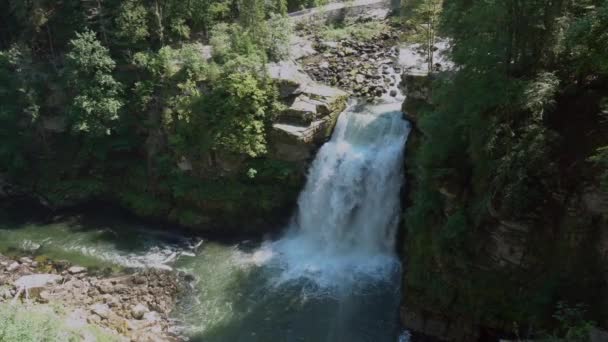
(393,93)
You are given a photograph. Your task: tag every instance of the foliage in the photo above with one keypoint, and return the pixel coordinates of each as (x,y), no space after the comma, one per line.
(22,325)
(112,98)
(41,323)
(494,149)
(132,22)
(236,111)
(573,326)
(96,103)
(423,16)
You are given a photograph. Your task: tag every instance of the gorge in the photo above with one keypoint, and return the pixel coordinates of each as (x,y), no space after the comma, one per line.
(297,170)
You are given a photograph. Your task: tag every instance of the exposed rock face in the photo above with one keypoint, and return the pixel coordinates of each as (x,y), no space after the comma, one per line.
(309,117)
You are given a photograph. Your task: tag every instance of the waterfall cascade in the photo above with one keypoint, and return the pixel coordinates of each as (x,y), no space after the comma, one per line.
(348,212)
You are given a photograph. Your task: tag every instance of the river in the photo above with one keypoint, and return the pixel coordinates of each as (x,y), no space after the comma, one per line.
(333,275)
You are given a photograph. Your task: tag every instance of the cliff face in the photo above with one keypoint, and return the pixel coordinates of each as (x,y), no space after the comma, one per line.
(505,275)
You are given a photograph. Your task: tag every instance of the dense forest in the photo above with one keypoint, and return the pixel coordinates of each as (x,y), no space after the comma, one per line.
(118,99)
(511,149)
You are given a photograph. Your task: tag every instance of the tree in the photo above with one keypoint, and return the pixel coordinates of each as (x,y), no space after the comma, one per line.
(236,112)
(424,18)
(96,102)
(132,22)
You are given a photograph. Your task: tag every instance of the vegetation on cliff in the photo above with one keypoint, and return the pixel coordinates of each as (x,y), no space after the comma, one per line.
(511,150)
(122,99)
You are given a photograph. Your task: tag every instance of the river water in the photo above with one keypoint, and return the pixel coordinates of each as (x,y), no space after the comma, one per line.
(333,275)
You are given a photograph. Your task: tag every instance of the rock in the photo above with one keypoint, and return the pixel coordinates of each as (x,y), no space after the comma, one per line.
(25,260)
(300,48)
(61,265)
(33,285)
(77,270)
(151,316)
(93,319)
(393,93)
(13,267)
(138,311)
(289,77)
(105,287)
(139,280)
(101,310)
(44,297)
(303,110)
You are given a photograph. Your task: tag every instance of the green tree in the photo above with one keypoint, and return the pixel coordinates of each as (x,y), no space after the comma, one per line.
(96,103)
(237,110)
(424,16)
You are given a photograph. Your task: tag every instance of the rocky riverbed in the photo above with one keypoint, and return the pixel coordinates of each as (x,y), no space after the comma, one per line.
(133,306)
(359,66)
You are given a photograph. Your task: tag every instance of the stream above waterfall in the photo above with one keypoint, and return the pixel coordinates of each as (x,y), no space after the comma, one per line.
(333,276)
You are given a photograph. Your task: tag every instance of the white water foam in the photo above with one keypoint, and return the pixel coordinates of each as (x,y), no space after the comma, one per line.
(345,226)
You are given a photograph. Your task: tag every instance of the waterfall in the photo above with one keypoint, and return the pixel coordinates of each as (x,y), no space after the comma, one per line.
(348,212)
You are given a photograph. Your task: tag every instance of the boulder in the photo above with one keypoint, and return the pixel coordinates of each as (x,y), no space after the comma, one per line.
(300,48)
(138,311)
(13,267)
(289,77)
(25,260)
(101,310)
(76,270)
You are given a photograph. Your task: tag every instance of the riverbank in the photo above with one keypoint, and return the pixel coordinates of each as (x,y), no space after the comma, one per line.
(125,306)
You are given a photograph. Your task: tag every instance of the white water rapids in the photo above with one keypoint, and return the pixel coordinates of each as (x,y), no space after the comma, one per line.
(348,212)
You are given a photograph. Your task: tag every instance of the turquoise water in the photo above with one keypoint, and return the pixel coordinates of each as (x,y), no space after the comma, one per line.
(238,294)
